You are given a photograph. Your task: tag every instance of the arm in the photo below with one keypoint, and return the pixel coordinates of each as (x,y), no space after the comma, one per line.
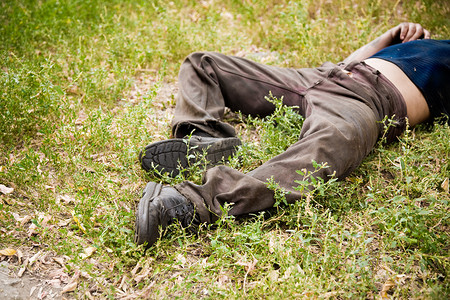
(401,33)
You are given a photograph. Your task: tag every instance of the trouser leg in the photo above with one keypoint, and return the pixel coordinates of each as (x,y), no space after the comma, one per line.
(210,81)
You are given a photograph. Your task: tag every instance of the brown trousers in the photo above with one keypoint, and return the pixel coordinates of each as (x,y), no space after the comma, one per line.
(343,106)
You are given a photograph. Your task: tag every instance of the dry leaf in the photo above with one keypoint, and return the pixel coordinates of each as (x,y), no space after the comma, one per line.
(46,259)
(64,223)
(287,273)
(19,256)
(386,287)
(5,190)
(144,271)
(8,252)
(75,218)
(308,294)
(142,275)
(34,258)
(66,199)
(32,290)
(273,275)
(329,295)
(88,295)
(88,252)
(59,274)
(25,220)
(42,294)
(222,280)
(59,260)
(136,268)
(294,268)
(249,266)
(21,203)
(271,244)
(72,285)
(32,229)
(181,259)
(81,118)
(45,220)
(85,275)
(390,283)
(49,187)
(123,284)
(444,185)
(308,201)
(56,283)
(22,270)
(16,216)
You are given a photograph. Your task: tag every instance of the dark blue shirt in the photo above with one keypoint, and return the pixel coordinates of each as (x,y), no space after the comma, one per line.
(427,64)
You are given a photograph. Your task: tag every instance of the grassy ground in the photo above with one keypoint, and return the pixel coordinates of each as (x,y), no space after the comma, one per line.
(86,84)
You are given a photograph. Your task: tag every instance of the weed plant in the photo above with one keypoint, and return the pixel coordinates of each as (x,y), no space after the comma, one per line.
(85,85)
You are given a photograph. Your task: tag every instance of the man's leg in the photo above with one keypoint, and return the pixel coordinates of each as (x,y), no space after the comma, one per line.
(343,121)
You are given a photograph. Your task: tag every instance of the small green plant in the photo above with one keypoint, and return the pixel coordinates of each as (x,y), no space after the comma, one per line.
(276,133)
(310,182)
(279,192)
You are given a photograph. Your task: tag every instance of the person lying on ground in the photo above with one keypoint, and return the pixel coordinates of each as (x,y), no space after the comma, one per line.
(401,78)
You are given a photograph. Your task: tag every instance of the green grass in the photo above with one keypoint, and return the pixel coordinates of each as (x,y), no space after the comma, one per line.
(85,85)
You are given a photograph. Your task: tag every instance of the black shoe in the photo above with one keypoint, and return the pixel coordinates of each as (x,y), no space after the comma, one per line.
(174,155)
(161,206)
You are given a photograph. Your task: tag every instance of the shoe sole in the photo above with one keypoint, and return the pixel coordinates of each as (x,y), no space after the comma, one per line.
(171,156)
(141,233)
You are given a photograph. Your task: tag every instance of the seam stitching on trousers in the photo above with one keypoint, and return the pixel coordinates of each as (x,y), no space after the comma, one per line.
(255,79)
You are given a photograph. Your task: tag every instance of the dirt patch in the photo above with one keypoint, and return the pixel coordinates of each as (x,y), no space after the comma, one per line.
(29,286)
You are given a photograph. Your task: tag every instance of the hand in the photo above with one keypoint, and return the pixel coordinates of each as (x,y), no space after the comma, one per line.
(406,32)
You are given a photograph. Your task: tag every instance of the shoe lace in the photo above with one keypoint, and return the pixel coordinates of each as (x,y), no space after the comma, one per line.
(183,213)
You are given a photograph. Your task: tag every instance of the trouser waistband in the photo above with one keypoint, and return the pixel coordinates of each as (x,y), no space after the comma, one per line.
(396,105)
